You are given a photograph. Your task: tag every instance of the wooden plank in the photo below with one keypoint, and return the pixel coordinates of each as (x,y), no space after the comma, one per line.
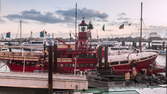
(40,80)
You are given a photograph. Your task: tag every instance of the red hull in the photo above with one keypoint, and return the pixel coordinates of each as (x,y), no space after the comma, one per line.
(139,65)
(83,64)
(19,68)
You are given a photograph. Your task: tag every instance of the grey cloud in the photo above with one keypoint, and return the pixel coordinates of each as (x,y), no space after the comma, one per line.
(2,20)
(88,13)
(35,16)
(122,14)
(60,16)
(122,17)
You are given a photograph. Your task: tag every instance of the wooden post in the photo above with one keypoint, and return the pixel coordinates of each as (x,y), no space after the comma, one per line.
(134,44)
(123,43)
(163,45)
(166,62)
(99,54)
(50,70)
(106,57)
(44,50)
(55,58)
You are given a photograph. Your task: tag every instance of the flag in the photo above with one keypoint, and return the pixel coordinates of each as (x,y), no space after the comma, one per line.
(90,26)
(103,28)
(129,24)
(121,26)
(41,34)
(8,35)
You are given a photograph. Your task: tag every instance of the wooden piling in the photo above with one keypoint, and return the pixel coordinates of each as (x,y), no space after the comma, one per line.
(50,70)
(44,50)
(123,43)
(55,58)
(99,54)
(166,62)
(106,57)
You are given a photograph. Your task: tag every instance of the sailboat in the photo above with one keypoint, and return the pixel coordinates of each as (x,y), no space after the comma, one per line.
(121,63)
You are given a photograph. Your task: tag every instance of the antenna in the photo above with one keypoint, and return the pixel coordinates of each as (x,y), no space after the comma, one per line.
(141,23)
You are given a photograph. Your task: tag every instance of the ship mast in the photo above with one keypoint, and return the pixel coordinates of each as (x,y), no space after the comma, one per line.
(20,29)
(141,27)
(76,15)
(0,10)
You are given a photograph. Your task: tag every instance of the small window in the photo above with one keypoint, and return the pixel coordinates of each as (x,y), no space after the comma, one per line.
(144,58)
(113,63)
(91,65)
(123,62)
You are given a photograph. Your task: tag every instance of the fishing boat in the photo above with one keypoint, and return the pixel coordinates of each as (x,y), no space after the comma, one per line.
(122,62)
(130,62)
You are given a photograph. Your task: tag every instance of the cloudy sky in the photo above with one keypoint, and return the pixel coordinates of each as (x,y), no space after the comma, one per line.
(57,16)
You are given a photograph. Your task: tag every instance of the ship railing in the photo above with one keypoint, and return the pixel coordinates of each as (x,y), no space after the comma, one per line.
(20,56)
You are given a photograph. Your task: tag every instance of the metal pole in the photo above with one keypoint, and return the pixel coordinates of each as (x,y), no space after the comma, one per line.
(141,23)
(50,70)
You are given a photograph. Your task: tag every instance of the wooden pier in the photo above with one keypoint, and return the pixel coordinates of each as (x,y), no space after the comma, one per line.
(40,80)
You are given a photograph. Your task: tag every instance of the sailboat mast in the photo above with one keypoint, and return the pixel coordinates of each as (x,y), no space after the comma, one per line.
(20,29)
(76,15)
(141,27)
(0,9)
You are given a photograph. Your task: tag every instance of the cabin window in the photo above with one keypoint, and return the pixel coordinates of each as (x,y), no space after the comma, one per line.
(81,65)
(144,58)
(91,65)
(123,62)
(65,65)
(70,65)
(113,63)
